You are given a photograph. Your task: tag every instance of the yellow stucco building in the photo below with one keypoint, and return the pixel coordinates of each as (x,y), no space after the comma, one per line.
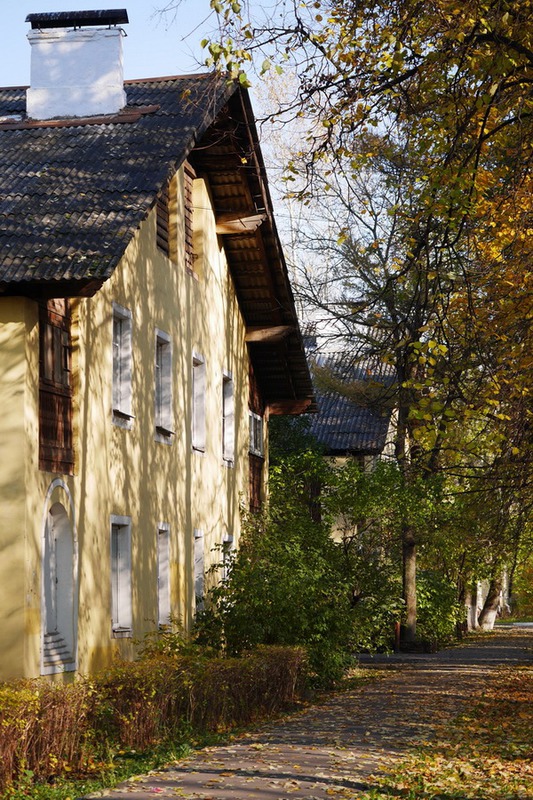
(147,332)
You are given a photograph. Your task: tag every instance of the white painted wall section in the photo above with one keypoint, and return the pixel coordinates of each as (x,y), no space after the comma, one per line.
(75,73)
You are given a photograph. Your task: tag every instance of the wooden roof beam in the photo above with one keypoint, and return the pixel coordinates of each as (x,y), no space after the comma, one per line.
(269,334)
(290,406)
(237,223)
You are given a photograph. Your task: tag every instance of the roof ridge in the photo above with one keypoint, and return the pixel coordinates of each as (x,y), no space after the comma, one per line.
(127,114)
(165,78)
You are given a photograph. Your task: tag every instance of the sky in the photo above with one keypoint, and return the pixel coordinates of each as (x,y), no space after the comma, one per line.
(154,45)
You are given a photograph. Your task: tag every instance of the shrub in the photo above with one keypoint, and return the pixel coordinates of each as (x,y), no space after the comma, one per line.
(438,609)
(48,729)
(153,699)
(286,586)
(44,728)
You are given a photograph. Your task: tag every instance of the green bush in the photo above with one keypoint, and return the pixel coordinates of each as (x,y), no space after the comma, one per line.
(438,609)
(286,583)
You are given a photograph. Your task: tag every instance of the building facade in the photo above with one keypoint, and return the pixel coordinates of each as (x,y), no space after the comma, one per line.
(147,332)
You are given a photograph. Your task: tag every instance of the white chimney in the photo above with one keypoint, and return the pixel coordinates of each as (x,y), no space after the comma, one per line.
(76,72)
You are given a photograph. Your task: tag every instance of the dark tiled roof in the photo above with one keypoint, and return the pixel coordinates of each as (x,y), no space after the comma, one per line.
(74,192)
(73,196)
(342,425)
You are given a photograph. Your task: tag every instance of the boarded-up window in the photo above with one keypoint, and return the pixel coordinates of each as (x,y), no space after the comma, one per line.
(55,388)
(121,606)
(256,481)
(228,419)
(199,568)
(198,403)
(122,366)
(163,574)
(163,384)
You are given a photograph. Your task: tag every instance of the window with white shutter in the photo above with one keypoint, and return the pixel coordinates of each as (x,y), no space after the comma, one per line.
(121,608)
(198,403)
(122,366)
(228,419)
(163,574)
(199,568)
(163,387)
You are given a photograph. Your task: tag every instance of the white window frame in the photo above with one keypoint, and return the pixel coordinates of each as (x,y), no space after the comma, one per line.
(121,577)
(122,367)
(163,387)
(228,419)
(163,574)
(257,442)
(199,383)
(199,568)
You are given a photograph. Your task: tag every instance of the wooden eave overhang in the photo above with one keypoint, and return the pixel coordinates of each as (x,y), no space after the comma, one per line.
(230,159)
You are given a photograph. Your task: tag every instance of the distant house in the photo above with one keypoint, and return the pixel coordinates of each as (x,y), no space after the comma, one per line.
(147,333)
(345,425)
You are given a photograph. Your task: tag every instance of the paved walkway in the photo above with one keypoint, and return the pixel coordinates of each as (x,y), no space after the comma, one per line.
(332,749)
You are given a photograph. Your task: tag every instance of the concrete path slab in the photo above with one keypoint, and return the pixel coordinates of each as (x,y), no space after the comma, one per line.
(332,749)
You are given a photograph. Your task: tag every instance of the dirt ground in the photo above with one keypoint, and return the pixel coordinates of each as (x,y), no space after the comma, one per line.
(332,749)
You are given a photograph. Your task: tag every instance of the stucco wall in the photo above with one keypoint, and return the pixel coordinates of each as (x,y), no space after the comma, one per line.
(119,471)
(14,329)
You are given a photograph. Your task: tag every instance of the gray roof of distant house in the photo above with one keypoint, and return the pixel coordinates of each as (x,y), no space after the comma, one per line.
(343,426)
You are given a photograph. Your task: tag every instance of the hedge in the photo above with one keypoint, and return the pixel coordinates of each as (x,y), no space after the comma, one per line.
(50,729)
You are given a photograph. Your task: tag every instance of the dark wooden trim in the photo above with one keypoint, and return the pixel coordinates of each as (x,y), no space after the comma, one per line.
(56,451)
(163,220)
(132,114)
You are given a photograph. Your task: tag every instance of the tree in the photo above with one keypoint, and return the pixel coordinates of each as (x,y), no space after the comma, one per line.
(432,104)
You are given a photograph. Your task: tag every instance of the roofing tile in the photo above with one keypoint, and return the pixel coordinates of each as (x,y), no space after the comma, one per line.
(53,178)
(343,426)
(74,192)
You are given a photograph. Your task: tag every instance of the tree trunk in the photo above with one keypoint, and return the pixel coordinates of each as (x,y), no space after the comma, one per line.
(403,459)
(492,602)
(409,585)
(465,600)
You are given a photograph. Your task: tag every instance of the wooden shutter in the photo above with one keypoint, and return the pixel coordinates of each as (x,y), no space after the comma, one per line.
(188,178)
(255,482)
(55,388)
(163,575)
(198,404)
(163,221)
